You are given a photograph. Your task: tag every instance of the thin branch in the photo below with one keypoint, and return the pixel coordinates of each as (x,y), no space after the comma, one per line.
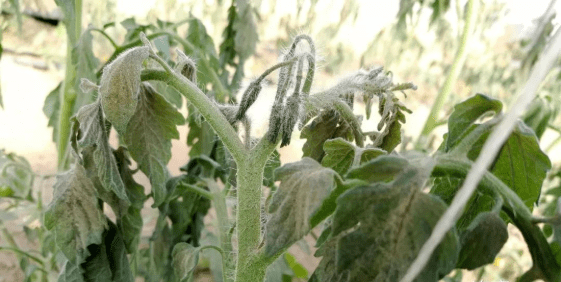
(102,32)
(487,155)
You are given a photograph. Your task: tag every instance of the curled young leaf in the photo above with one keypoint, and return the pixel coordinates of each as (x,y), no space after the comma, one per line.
(186,66)
(248,98)
(185,259)
(120,85)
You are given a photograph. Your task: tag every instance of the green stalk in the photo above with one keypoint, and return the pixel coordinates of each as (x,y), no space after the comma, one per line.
(453,74)
(67,95)
(249,266)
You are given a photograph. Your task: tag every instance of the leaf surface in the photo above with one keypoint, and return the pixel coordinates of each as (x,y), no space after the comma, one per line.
(149,135)
(340,154)
(120,86)
(304,185)
(93,133)
(185,259)
(394,220)
(466,113)
(74,214)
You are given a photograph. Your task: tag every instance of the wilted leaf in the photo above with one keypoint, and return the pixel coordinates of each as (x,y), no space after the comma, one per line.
(108,262)
(185,259)
(74,214)
(304,185)
(130,222)
(321,129)
(466,113)
(149,135)
(394,220)
(93,133)
(120,86)
(340,154)
(482,241)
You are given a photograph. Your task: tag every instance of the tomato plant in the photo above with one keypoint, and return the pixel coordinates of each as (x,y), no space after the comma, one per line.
(378,210)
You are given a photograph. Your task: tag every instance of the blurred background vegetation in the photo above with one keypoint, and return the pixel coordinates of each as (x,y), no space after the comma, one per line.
(415,40)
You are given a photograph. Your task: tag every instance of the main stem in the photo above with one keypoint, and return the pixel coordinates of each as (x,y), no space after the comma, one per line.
(453,74)
(249,179)
(68,92)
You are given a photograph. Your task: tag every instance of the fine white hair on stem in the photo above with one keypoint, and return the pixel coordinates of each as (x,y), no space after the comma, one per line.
(487,155)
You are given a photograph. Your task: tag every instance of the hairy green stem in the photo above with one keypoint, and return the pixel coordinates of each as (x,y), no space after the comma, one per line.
(249,266)
(205,106)
(67,95)
(453,73)
(222,254)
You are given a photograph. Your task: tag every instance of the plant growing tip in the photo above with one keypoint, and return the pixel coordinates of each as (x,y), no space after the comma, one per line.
(186,66)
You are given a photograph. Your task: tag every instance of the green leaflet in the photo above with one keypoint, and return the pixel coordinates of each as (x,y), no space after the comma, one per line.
(16,176)
(108,262)
(340,154)
(51,109)
(149,135)
(466,113)
(395,221)
(304,186)
(77,220)
(383,168)
(93,133)
(85,64)
(130,223)
(539,113)
(321,129)
(201,136)
(186,215)
(185,259)
(120,87)
(278,271)
(482,241)
(269,173)
(520,164)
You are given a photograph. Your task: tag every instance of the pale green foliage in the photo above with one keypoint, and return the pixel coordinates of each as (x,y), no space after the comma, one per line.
(185,258)
(340,155)
(149,135)
(303,187)
(93,132)
(120,86)
(74,215)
